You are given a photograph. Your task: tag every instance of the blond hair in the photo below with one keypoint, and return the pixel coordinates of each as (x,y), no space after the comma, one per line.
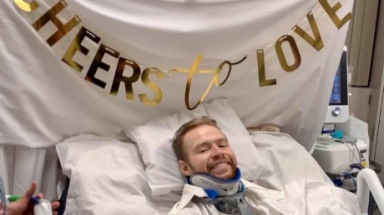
(178,140)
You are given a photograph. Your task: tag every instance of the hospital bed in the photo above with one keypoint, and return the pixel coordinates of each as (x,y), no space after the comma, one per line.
(127,176)
(110,176)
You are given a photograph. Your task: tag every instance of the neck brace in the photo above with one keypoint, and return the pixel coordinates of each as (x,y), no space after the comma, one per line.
(215,186)
(226,195)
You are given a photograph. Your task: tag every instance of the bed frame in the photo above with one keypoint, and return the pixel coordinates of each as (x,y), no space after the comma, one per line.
(368,183)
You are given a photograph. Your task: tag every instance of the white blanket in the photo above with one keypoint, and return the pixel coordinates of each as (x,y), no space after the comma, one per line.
(108,177)
(304,197)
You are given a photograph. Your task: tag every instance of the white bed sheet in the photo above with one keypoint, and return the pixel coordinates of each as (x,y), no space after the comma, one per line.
(108,176)
(287,161)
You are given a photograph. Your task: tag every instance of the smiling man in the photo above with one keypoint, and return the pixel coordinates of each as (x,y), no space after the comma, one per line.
(209,164)
(202,148)
(214,185)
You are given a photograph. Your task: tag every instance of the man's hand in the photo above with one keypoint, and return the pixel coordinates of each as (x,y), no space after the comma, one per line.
(24,206)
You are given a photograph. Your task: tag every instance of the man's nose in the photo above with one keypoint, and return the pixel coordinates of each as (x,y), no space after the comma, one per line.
(217,151)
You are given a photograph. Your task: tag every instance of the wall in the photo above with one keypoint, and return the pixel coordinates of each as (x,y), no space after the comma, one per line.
(375,120)
(359,102)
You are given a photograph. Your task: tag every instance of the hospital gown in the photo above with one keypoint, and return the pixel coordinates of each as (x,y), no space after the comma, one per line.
(304,197)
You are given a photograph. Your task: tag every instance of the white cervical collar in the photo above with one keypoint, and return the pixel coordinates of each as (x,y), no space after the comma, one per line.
(222,187)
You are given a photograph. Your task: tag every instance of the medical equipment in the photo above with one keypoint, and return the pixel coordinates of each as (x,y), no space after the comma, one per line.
(335,152)
(227,195)
(338,109)
(336,156)
(232,204)
(42,207)
(215,186)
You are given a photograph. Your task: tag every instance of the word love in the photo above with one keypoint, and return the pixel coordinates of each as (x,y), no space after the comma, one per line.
(316,42)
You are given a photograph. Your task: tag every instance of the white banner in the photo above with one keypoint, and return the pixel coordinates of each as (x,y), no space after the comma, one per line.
(75,66)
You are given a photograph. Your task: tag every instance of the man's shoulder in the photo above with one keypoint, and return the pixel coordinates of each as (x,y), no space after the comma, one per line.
(189,191)
(190,187)
(248,183)
(186,200)
(255,189)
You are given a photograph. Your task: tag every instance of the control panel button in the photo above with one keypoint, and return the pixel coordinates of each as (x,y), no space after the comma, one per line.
(336,111)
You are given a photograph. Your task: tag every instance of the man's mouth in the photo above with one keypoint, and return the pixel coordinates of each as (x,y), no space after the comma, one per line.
(220,165)
(220,168)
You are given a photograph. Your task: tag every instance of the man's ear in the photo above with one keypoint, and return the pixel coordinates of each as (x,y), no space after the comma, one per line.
(185,169)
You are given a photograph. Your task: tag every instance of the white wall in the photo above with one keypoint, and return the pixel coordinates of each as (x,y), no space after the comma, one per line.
(359,102)
(360,42)
(376,121)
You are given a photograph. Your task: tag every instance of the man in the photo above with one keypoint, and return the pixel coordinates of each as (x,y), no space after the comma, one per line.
(24,205)
(214,185)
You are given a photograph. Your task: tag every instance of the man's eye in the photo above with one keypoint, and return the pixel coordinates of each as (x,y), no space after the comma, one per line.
(202,150)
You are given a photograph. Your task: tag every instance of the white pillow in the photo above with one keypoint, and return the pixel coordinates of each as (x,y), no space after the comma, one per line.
(287,161)
(107,177)
(154,141)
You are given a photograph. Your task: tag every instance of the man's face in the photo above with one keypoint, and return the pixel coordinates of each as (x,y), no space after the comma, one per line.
(207,151)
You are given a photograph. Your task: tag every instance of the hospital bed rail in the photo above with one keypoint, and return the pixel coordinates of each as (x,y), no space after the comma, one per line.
(368,182)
